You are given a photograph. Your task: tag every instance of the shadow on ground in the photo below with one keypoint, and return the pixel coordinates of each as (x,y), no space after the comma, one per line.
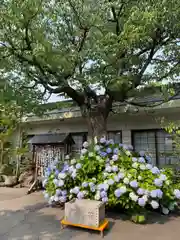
(43,223)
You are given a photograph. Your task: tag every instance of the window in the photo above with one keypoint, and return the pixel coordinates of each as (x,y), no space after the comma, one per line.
(78,138)
(157,143)
(115,135)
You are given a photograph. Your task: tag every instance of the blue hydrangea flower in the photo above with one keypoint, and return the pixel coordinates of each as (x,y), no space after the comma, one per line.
(141,160)
(105,186)
(153,193)
(116,151)
(142,153)
(58,192)
(91,184)
(110,181)
(103,194)
(64,192)
(105,199)
(93,189)
(155,170)
(141,202)
(103,154)
(115,157)
(134,184)
(56,172)
(78,166)
(115,168)
(159,193)
(177,193)
(154,204)
(84,184)
(109,150)
(76,190)
(140,191)
(80,195)
(117,193)
(158,182)
(148,159)
(103,140)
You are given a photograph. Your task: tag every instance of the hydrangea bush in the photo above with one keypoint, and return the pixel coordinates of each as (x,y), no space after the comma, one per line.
(115,174)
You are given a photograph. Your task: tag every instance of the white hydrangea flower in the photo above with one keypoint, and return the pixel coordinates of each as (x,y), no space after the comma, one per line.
(111,162)
(149,166)
(154,204)
(98,158)
(142,167)
(70,196)
(85,144)
(67,157)
(163,177)
(126,181)
(61,175)
(139,178)
(81,157)
(135,165)
(91,154)
(145,197)
(97,196)
(167,182)
(73,161)
(129,175)
(133,197)
(165,211)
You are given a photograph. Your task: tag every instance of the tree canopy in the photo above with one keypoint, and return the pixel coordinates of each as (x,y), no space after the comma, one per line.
(94,52)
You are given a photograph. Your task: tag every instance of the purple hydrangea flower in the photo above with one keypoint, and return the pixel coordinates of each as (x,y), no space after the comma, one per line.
(91,184)
(115,168)
(121,145)
(140,191)
(115,157)
(93,189)
(142,153)
(105,199)
(141,160)
(148,159)
(117,193)
(155,170)
(141,202)
(134,184)
(105,186)
(109,150)
(80,195)
(56,172)
(84,184)
(110,181)
(78,166)
(158,182)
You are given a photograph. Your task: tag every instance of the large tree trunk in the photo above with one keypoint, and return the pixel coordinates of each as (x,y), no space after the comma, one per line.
(97,125)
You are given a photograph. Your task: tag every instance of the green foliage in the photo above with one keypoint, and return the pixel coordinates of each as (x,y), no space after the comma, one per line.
(88,46)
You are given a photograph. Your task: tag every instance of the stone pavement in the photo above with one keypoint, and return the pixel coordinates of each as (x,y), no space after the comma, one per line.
(27,217)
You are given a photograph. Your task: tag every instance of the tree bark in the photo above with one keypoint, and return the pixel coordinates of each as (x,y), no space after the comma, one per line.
(97,125)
